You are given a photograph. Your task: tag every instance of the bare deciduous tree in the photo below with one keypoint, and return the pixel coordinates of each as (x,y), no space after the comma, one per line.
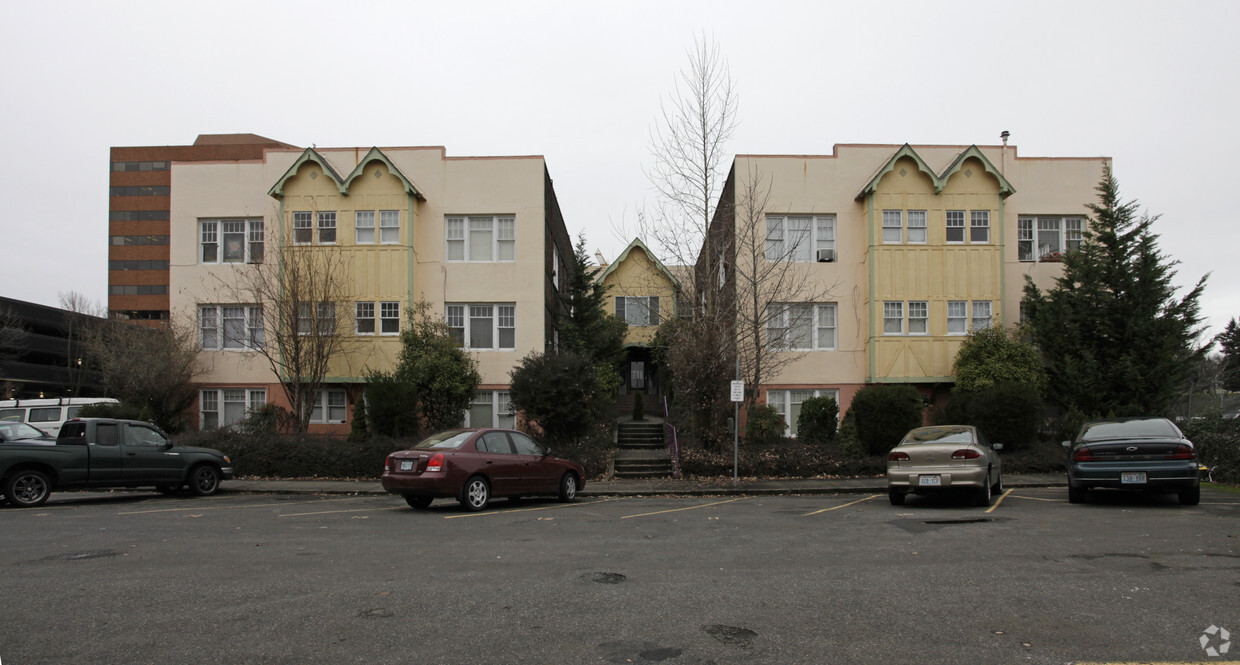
(82,320)
(303,292)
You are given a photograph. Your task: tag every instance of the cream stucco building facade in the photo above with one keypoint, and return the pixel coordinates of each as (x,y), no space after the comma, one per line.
(914,246)
(480,239)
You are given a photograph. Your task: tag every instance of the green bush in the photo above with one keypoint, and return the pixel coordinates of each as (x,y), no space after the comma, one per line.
(884,413)
(1217,441)
(849,445)
(763,426)
(790,459)
(1008,413)
(269,455)
(819,420)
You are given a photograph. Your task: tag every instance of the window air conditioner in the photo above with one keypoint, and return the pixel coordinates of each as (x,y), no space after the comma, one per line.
(826,255)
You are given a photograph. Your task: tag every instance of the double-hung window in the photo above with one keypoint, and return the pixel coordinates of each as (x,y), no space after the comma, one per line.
(327,228)
(917,227)
(954,229)
(979,227)
(230,326)
(329,406)
(800,237)
(981,315)
(321,313)
(918,317)
(485,238)
(787,404)
(223,407)
(638,310)
(483,326)
(893,227)
(389,227)
(893,318)
(364,318)
(389,318)
(303,232)
(491,408)
(364,227)
(1047,238)
(801,326)
(957,317)
(230,240)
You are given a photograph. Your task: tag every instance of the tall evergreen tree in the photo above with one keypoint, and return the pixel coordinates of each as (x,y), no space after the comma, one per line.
(1229,341)
(587,328)
(1114,337)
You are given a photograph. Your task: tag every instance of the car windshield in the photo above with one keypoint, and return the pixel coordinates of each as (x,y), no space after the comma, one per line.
(1129,429)
(446,440)
(949,434)
(10,431)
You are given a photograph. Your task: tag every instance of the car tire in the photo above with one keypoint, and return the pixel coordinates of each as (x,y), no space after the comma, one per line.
(896,496)
(204,480)
(419,502)
(1077,494)
(997,488)
(476,494)
(983,495)
(27,489)
(1190,497)
(568,488)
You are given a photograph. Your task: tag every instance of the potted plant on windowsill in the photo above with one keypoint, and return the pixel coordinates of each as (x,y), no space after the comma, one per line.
(1053,257)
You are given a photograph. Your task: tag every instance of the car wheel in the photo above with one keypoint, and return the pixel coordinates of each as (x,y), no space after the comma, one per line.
(896,496)
(168,489)
(1077,494)
(983,495)
(204,480)
(418,502)
(476,494)
(568,488)
(27,489)
(1191,497)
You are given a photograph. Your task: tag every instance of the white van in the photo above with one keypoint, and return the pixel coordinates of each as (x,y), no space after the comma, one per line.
(47,414)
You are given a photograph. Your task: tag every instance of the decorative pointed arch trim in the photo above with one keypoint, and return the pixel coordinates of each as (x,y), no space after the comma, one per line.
(310,155)
(939,180)
(374,155)
(637,243)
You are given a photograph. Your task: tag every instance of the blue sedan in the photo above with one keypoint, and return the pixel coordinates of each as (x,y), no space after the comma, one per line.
(1142,454)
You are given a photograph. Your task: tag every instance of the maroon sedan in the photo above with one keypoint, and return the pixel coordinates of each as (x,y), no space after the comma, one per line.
(473,465)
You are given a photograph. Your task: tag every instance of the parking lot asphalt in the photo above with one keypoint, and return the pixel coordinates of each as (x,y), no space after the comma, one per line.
(643,486)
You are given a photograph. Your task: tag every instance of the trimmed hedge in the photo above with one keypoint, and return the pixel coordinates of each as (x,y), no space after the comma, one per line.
(792,459)
(1218,446)
(884,413)
(819,420)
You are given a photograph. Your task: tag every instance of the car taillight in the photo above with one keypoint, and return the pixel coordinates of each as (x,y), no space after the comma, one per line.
(966,453)
(1183,452)
(389,463)
(436,463)
(897,456)
(1082,455)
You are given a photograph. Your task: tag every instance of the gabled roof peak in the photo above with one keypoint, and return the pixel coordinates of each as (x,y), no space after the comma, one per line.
(342,184)
(939,180)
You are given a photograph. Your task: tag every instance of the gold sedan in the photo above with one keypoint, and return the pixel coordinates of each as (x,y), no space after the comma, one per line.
(942,458)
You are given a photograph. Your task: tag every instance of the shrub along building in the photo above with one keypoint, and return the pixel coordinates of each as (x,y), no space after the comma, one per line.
(480,239)
(914,246)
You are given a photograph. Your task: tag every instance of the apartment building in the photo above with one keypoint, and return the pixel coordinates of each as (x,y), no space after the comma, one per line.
(908,247)
(480,239)
(139,205)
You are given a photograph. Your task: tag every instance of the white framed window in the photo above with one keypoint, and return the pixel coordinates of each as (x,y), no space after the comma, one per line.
(981,315)
(303,231)
(364,318)
(364,227)
(389,227)
(893,227)
(481,238)
(491,408)
(234,327)
(327,228)
(979,227)
(389,318)
(798,237)
(893,318)
(801,326)
(1054,237)
(954,226)
(224,407)
(230,240)
(329,406)
(918,317)
(957,317)
(483,327)
(638,310)
(787,404)
(916,227)
(322,312)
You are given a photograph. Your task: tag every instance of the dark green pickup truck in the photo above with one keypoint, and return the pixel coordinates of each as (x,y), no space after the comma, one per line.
(104,453)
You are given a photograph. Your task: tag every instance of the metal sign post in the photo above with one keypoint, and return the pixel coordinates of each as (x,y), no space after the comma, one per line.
(738,396)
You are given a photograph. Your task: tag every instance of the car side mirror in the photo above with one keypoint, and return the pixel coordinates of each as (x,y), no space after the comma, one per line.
(996,446)
(1066,444)
(546,452)
(168,445)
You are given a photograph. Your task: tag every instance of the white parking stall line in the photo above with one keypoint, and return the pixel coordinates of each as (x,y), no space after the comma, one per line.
(851,503)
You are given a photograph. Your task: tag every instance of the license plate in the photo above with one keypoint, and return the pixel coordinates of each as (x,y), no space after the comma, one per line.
(406,465)
(929,481)
(1132,478)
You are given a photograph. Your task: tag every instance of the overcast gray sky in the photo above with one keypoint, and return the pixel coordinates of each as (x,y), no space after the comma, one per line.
(1150,84)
